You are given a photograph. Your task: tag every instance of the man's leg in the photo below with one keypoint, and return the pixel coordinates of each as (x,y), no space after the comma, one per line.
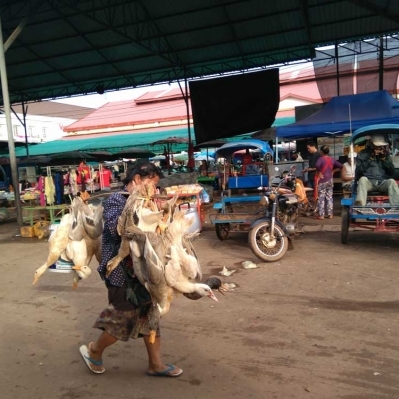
(391,187)
(363,186)
(155,364)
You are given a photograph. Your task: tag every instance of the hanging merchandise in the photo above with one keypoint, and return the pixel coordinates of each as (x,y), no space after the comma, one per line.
(67,186)
(105,178)
(73,182)
(40,189)
(59,187)
(100,173)
(49,188)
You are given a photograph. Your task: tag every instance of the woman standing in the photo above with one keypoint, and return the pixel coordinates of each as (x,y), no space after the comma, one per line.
(203,168)
(122,320)
(325,168)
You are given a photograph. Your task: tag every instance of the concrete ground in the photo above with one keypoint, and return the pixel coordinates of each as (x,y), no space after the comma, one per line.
(319,323)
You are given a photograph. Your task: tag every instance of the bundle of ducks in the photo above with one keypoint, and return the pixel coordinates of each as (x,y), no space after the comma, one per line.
(77,239)
(154,232)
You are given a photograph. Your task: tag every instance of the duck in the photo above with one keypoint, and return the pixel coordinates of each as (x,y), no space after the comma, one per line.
(213,282)
(58,242)
(92,221)
(80,273)
(71,242)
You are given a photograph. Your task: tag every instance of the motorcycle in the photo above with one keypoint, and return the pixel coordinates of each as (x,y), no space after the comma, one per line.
(269,238)
(307,203)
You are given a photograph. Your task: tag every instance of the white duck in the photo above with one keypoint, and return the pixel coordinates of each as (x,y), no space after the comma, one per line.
(80,273)
(57,245)
(71,242)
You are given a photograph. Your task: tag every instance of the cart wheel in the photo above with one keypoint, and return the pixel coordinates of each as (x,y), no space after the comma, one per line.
(344,224)
(222,230)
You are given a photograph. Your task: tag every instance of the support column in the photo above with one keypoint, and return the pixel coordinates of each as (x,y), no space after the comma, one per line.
(11,146)
(190,163)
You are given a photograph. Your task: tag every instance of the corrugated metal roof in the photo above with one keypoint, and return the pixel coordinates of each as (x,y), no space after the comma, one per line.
(74,47)
(55,110)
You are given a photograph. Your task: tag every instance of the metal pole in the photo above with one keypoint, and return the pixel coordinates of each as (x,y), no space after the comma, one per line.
(381,66)
(11,147)
(276,149)
(337,61)
(190,163)
(24,112)
(187,110)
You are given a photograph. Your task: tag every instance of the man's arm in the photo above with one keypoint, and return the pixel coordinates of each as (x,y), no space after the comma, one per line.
(388,165)
(362,164)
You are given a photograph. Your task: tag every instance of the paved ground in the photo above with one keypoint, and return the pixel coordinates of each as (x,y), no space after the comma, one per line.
(320,323)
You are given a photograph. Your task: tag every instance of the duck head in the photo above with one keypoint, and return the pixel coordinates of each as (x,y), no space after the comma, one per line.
(205,290)
(82,271)
(39,272)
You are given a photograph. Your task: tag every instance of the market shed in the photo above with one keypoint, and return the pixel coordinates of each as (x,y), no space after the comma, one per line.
(66,47)
(62,48)
(345,114)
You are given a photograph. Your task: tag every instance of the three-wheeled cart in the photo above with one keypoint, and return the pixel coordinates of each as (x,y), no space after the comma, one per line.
(377,215)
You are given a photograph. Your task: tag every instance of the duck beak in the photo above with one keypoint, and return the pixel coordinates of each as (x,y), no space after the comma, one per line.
(76,268)
(211,295)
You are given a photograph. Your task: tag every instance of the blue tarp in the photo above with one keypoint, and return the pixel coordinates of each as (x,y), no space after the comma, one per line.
(233,146)
(345,114)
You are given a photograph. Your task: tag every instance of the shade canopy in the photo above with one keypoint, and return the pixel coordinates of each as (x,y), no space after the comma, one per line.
(171,140)
(203,157)
(111,143)
(133,153)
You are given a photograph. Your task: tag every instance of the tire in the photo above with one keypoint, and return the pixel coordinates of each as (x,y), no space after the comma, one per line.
(344,224)
(262,247)
(222,229)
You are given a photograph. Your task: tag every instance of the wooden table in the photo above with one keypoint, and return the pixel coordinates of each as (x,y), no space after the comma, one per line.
(52,212)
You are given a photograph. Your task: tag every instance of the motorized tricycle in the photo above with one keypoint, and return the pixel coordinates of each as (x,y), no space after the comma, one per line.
(377,215)
(268,238)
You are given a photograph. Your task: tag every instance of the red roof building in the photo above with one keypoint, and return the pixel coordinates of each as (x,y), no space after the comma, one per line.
(166,109)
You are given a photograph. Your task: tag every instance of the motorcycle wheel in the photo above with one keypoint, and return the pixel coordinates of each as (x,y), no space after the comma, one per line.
(265,248)
(311,207)
(344,224)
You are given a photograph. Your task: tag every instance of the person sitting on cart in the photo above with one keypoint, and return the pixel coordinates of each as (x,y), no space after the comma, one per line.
(348,172)
(374,169)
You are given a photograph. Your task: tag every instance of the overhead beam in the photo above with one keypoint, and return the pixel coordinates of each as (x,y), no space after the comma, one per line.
(375,9)
(305,16)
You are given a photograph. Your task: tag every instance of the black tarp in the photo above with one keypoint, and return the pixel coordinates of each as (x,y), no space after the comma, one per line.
(228,106)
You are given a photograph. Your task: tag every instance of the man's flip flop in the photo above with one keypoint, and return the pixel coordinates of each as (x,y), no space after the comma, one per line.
(165,373)
(84,352)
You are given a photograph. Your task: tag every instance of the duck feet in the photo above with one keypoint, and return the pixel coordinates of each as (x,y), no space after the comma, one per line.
(152,337)
(112,265)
